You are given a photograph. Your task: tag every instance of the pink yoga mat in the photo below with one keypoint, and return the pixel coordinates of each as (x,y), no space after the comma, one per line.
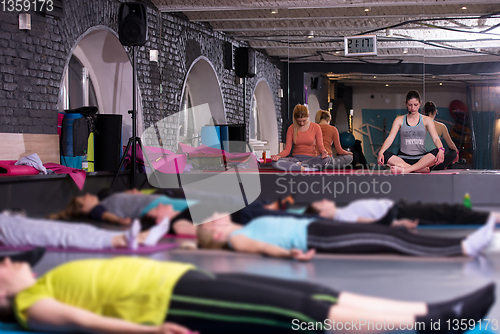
(140,250)
(7,168)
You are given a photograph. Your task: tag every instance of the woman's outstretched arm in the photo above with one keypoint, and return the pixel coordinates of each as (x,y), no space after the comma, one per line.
(110,217)
(431,128)
(50,314)
(336,142)
(288,145)
(396,125)
(244,244)
(319,141)
(446,136)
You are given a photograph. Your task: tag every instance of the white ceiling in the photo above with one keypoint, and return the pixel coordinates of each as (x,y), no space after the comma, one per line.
(430,31)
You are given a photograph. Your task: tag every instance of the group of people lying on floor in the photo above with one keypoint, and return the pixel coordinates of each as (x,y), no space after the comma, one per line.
(134,295)
(364,226)
(139,295)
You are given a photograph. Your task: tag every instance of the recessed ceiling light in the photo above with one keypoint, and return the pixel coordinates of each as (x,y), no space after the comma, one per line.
(374,77)
(440,84)
(367,9)
(386,85)
(337,52)
(464,8)
(310,34)
(405,50)
(274,11)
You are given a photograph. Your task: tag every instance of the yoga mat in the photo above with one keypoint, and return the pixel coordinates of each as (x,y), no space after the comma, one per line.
(13,328)
(8,168)
(140,250)
(450,227)
(376,256)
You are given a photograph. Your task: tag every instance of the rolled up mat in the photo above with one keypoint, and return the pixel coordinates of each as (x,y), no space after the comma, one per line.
(7,168)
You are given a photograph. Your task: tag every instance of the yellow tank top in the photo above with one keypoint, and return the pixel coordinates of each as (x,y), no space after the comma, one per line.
(133,289)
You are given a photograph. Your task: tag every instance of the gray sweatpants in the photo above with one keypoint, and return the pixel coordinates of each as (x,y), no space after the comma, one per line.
(289,164)
(339,161)
(23,231)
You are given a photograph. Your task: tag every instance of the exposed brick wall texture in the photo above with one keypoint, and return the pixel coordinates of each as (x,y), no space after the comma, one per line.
(32,66)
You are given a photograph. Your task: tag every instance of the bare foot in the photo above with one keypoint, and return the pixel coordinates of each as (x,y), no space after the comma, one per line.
(397,170)
(423,170)
(289,199)
(119,241)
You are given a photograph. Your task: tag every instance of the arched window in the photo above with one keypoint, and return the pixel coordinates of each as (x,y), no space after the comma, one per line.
(78,90)
(201,103)
(255,132)
(187,120)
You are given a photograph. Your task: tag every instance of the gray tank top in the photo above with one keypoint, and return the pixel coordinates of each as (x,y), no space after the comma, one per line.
(412,139)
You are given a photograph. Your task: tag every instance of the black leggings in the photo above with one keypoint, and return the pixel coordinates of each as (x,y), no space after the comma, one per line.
(434,214)
(439,214)
(409,161)
(328,237)
(244,303)
(448,159)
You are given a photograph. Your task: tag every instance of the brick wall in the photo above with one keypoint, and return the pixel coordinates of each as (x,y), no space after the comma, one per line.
(32,65)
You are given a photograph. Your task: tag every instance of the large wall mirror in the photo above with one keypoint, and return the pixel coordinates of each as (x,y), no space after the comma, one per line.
(447,50)
(451,60)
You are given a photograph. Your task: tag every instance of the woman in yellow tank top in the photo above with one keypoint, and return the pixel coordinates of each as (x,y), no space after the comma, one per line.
(137,295)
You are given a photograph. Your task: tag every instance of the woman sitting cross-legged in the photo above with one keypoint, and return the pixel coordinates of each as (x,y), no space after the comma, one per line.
(412,128)
(300,238)
(137,295)
(307,140)
(452,155)
(331,137)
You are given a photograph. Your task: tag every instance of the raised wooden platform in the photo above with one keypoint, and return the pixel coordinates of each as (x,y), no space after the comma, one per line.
(43,194)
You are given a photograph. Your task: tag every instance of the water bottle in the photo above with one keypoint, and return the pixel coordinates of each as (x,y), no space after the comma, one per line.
(85,162)
(467,202)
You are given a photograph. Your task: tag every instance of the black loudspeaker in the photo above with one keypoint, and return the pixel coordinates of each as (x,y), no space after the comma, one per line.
(244,62)
(108,142)
(132,24)
(228,56)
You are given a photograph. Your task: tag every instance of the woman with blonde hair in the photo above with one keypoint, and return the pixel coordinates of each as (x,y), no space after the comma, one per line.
(331,136)
(307,140)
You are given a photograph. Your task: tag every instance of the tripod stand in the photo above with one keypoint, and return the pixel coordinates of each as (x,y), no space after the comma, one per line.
(134,140)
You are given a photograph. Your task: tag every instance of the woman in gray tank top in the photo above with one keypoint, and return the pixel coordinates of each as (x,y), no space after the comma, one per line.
(412,155)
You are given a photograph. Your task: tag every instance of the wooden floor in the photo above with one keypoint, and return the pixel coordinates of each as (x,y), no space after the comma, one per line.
(399,277)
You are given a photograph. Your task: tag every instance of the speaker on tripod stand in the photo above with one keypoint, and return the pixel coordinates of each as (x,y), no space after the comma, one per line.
(132,31)
(133,24)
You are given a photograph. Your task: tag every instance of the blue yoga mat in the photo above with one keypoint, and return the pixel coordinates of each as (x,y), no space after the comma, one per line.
(8,328)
